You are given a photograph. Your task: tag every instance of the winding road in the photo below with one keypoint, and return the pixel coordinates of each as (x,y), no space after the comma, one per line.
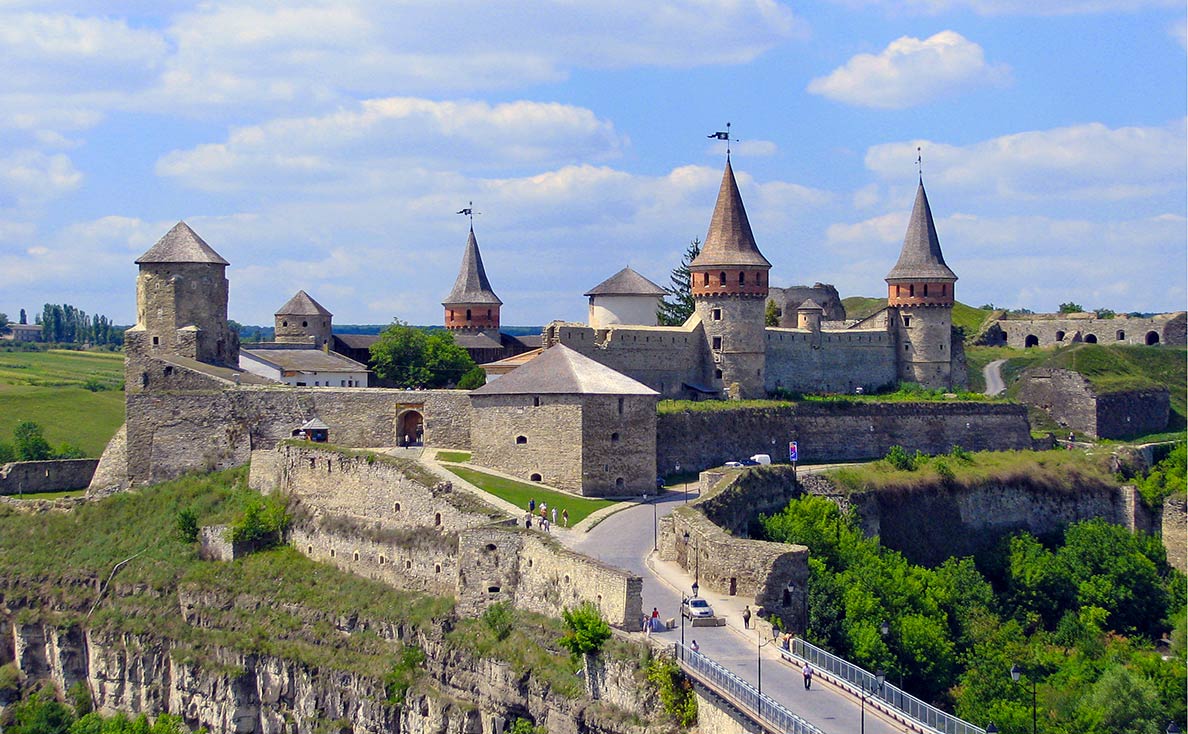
(992,373)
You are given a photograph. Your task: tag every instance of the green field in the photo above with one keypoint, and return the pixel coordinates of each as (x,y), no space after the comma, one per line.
(48,388)
(519,493)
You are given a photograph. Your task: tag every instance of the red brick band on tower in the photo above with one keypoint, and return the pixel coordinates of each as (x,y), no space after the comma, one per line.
(472,305)
(730,264)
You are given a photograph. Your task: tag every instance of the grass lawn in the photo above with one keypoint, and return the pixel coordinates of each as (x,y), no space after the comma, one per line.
(458,457)
(50,495)
(518,493)
(47,388)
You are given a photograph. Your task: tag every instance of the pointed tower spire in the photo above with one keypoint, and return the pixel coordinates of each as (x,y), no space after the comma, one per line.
(921,257)
(730,242)
(472,304)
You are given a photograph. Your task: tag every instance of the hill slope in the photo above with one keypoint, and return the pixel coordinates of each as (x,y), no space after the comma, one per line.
(967,317)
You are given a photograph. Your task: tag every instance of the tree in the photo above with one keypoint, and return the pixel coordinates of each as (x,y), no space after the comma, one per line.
(771,313)
(406,356)
(24,317)
(3,322)
(1104,313)
(678,306)
(1071,307)
(586,633)
(30,443)
(475,378)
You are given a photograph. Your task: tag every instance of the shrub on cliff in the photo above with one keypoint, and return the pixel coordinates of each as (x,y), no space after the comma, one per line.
(264,519)
(586,630)
(676,693)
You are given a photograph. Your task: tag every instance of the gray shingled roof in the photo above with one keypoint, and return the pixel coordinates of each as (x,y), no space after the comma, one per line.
(921,256)
(730,241)
(810,305)
(472,285)
(302,305)
(560,370)
(304,360)
(181,245)
(481,340)
(626,282)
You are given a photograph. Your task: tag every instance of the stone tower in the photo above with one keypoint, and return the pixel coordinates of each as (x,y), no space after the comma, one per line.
(472,305)
(920,295)
(181,302)
(729,289)
(302,320)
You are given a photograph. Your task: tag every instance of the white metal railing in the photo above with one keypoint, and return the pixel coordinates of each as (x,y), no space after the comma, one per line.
(762,708)
(891,696)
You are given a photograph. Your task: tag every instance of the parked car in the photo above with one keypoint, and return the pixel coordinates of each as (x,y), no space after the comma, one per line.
(696,607)
(732,464)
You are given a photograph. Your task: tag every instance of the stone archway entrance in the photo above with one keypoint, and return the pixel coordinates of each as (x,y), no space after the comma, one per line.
(1031,341)
(410,428)
(1152,338)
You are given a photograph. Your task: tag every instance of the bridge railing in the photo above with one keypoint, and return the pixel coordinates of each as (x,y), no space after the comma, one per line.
(890,695)
(741,693)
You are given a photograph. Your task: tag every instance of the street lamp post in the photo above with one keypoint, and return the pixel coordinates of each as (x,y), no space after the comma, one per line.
(759,645)
(879,678)
(885,630)
(696,562)
(684,484)
(1016,673)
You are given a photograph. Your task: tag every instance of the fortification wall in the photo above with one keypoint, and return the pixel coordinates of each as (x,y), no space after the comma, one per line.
(1053,329)
(830,361)
(618,445)
(419,560)
(1073,403)
(788,299)
(217,425)
(663,358)
(836,431)
(56,475)
(503,563)
(1173,521)
(1133,412)
(512,434)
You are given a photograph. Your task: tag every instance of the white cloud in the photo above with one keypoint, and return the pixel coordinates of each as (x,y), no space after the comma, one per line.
(29,177)
(1013,7)
(1179,31)
(383,138)
(910,72)
(1080,162)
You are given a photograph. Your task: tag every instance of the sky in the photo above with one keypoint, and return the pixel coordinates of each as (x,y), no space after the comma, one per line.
(327,146)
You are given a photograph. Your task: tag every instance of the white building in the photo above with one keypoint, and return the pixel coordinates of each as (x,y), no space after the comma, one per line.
(303,367)
(624,298)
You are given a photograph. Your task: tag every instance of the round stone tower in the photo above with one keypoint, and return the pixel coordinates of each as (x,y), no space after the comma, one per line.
(920,296)
(729,285)
(181,302)
(472,305)
(302,320)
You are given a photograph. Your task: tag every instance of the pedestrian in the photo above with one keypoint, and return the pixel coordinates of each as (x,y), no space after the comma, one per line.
(747,617)
(544,524)
(565,518)
(695,647)
(528,520)
(532,504)
(807,670)
(542,509)
(554,515)
(655,615)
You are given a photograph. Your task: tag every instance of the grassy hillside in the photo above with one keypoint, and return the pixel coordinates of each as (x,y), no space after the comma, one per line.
(966,317)
(77,397)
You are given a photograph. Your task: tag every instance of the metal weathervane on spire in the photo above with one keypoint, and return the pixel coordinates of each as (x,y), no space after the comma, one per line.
(920,164)
(469,212)
(720,135)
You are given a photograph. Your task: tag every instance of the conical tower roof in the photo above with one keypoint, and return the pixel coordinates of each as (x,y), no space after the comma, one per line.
(472,285)
(921,256)
(729,242)
(626,282)
(302,304)
(181,245)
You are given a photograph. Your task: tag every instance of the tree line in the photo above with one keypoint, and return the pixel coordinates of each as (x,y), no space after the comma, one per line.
(66,324)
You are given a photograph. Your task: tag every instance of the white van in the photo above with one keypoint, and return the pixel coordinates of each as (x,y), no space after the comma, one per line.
(761,458)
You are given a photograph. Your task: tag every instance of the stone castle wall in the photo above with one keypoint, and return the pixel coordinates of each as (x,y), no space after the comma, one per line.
(836,431)
(56,475)
(663,358)
(513,435)
(503,563)
(1073,403)
(199,422)
(830,361)
(788,299)
(425,561)
(1061,329)
(1133,412)
(618,445)
(1173,523)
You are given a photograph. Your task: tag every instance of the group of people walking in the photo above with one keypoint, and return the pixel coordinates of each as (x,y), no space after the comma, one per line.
(547,516)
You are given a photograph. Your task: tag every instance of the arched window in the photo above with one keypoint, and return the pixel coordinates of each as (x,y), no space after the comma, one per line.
(705,278)
(1152,338)
(284,323)
(911,291)
(521,440)
(1031,341)
(615,437)
(535,477)
(1120,335)
(619,483)
(722,278)
(1060,336)
(742,278)
(925,289)
(488,313)
(437,519)
(468,314)
(304,324)
(1091,338)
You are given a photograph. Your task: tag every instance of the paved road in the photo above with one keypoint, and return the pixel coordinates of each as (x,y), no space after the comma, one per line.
(625,540)
(993,376)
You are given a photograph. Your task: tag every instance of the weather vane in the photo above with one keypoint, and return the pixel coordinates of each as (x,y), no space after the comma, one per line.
(469,212)
(720,135)
(920,164)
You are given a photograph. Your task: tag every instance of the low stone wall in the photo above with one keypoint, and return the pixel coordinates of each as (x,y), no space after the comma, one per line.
(535,573)
(419,560)
(1174,526)
(774,575)
(1046,330)
(58,475)
(836,431)
(1073,403)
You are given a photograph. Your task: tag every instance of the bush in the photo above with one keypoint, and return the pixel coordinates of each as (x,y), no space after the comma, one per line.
(499,619)
(187,525)
(69,451)
(30,442)
(676,693)
(474,378)
(587,630)
(263,519)
(404,674)
(524,726)
(900,459)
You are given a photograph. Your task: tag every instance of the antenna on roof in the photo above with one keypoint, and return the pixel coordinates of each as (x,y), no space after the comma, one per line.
(920,164)
(469,212)
(720,135)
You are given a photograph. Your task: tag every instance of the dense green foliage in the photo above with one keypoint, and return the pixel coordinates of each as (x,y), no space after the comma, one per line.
(65,324)
(904,392)
(1080,615)
(676,692)
(29,444)
(1166,478)
(677,306)
(263,519)
(41,713)
(404,674)
(474,378)
(585,630)
(52,388)
(406,356)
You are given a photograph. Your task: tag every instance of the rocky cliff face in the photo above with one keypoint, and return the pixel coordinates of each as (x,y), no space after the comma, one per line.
(230,691)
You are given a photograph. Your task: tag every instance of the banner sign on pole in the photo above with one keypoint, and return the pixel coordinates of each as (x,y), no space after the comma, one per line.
(793,452)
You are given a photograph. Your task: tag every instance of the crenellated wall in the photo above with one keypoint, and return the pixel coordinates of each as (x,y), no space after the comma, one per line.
(665,358)
(836,431)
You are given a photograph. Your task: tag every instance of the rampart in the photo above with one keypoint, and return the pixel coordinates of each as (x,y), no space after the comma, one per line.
(199,422)
(1046,330)
(665,358)
(1073,402)
(56,475)
(1173,523)
(837,431)
(800,360)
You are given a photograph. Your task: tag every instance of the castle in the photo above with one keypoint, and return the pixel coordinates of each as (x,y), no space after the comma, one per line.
(580,416)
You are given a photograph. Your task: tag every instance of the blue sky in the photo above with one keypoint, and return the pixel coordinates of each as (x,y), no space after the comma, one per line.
(327,145)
